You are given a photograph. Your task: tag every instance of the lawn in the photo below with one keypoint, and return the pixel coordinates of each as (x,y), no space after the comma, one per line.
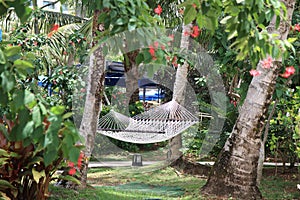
(167,183)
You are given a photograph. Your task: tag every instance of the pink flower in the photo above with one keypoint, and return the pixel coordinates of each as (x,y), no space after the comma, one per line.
(266,63)
(297,27)
(194,5)
(254,72)
(156,44)
(288,72)
(186,33)
(196,32)
(291,70)
(158,10)
(171,37)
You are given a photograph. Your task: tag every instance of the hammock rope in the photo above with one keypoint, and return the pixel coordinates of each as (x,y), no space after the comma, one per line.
(155,125)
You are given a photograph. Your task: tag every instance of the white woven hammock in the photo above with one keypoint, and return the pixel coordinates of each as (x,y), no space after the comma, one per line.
(155,125)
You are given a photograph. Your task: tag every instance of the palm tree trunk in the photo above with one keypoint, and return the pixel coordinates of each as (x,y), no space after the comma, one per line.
(95,86)
(235,172)
(175,143)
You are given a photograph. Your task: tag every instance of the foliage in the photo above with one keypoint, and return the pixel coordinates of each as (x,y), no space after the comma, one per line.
(34,137)
(250,37)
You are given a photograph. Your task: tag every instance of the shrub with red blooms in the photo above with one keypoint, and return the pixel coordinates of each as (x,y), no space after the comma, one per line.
(72,167)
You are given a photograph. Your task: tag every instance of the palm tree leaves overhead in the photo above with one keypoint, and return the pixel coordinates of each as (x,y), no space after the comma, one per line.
(54,51)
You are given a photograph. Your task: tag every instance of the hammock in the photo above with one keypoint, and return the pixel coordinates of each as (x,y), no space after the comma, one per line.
(155,125)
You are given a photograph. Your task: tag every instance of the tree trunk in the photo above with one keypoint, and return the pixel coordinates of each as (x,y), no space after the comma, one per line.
(235,172)
(35,21)
(262,150)
(95,86)
(175,143)
(132,77)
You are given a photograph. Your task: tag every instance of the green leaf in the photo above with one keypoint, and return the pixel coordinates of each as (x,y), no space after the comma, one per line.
(36,116)
(12,51)
(74,154)
(70,178)
(22,64)
(3,153)
(2,57)
(49,156)
(58,110)
(190,14)
(37,175)
(22,11)
(139,59)
(29,99)
(120,21)
(67,115)
(4,98)
(131,26)
(5,185)
(8,81)
(225,19)
(291,40)
(28,129)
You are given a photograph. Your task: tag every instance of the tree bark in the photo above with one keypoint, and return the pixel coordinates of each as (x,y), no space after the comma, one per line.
(95,86)
(175,143)
(262,150)
(132,77)
(235,172)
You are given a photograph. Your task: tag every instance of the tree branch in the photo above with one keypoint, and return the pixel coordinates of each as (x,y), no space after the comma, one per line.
(50,4)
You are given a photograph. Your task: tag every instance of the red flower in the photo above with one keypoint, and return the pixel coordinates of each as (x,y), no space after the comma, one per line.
(156,44)
(53,30)
(297,27)
(151,50)
(70,164)
(254,72)
(196,32)
(55,27)
(158,10)
(266,63)
(79,162)
(72,171)
(174,61)
(194,5)
(288,72)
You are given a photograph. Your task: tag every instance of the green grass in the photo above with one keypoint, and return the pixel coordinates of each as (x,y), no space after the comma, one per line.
(127,184)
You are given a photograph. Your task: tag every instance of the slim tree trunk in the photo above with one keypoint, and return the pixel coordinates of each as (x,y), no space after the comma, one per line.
(35,21)
(132,77)
(179,92)
(235,172)
(95,86)
(262,150)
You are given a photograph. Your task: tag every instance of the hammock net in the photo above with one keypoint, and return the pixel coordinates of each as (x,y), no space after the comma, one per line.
(155,125)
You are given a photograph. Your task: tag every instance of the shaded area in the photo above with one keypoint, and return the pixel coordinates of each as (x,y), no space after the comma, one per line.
(149,188)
